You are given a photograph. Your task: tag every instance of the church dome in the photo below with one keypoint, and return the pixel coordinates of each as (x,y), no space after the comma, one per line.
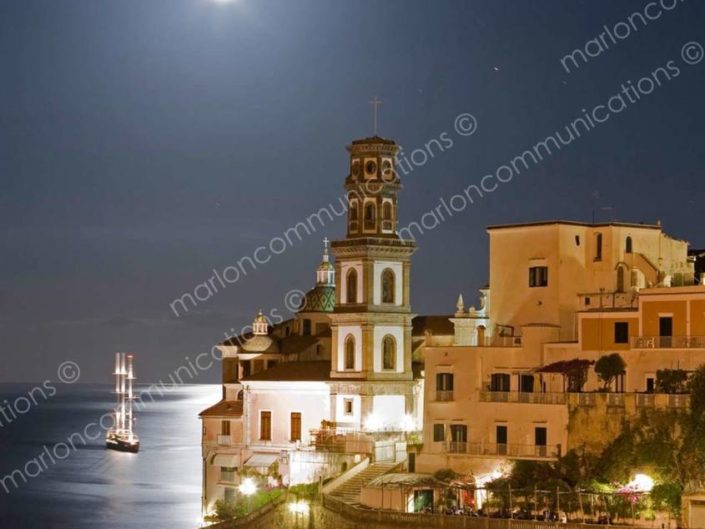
(320,298)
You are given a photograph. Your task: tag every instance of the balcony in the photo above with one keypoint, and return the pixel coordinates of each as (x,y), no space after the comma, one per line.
(630,401)
(444,395)
(510,451)
(523,397)
(224,440)
(615,400)
(645,400)
(668,342)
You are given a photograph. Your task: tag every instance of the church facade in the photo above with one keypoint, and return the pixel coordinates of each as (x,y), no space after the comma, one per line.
(307,397)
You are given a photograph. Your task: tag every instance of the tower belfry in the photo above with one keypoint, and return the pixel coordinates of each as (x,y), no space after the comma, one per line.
(371,322)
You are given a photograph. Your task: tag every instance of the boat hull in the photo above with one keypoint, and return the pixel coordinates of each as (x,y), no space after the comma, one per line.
(122,445)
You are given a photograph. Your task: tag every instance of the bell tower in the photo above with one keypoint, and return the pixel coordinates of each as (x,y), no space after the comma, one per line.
(371,322)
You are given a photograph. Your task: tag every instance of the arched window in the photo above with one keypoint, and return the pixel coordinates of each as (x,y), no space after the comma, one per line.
(387,211)
(351,286)
(350,352)
(388,286)
(620,279)
(370,214)
(354,216)
(630,245)
(389,353)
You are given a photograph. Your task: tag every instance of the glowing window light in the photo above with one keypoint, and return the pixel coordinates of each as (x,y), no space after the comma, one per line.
(407,424)
(373,422)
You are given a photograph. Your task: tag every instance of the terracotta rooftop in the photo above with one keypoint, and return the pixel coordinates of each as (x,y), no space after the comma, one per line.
(574,223)
(225,408)
(294,371)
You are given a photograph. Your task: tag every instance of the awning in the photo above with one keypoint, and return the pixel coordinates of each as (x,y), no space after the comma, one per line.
(261,460)
(226,460)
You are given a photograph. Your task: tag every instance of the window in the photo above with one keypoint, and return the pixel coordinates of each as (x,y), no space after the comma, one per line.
(370,214)
(389,353)
(439,433)
(227,474)
(295,426)
(353,216)
(388,286)
(350,352)
(265,425)
(458,438)
(500,382)
(229,494)
(598,247)
(540,441)
(387,211)
(444,387)
(351,286)
(629,245)
(271,364)
(620,279)
(307,327)
(225,427)
(538,276)
(348,407)
(577,240)
(444,382)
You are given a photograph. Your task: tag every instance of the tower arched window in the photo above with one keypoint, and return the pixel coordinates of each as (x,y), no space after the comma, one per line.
(370,216)
(629,245)
(388,286)
(350,352)
(354,216)
(387,213)
(389,353)
(351,286)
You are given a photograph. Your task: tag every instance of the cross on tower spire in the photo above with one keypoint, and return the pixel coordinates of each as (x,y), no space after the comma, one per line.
(375,104)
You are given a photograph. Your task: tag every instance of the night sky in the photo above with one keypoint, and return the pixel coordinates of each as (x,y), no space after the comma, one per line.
(145,143)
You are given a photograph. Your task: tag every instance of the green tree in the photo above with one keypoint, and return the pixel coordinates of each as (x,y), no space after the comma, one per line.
(671,380)
(609,367)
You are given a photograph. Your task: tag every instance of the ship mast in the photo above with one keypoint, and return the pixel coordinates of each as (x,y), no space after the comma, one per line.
(124,377)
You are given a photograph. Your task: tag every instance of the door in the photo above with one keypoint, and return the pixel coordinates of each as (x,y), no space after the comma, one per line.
(540,440)
(458,439)
(500,382)
(412,462)
(501,434)
(665,325)
(650,384)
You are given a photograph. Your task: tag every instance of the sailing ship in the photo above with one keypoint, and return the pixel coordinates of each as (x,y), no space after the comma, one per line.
(121,437)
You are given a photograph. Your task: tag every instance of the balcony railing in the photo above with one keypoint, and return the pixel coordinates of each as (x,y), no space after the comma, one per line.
(224,440)
(668,342)
(615,400)
(511,450)
(523,397)
(444,395)
(678,401)
(645,400)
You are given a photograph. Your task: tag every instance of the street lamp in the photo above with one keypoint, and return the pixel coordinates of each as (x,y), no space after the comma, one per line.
(247,488)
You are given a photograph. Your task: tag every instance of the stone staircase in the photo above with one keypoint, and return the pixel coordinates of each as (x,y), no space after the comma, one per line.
(349,492)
